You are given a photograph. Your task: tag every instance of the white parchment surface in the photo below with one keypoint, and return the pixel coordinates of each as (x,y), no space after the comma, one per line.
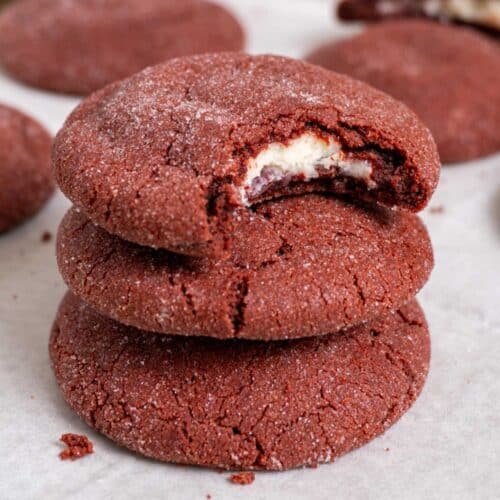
(446,447)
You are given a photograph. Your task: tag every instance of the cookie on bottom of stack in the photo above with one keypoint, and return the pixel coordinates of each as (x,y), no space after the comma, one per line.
(238,404)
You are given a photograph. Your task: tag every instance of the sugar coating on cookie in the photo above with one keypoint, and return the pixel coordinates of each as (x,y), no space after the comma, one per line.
(237,404)
(161,158)
(481,12)
(410,60)
(78,46)
(25,175)
(299,266)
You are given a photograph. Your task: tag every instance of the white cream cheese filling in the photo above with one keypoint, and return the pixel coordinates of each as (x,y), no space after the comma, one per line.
(307,156)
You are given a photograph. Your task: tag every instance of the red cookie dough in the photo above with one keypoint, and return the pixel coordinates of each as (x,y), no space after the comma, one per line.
(160,159)
(448,75)
(483,13)
(299,266)
(236,404)
(78,46)
(25,175)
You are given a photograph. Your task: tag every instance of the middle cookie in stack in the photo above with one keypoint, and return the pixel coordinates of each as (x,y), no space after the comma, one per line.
(223,168)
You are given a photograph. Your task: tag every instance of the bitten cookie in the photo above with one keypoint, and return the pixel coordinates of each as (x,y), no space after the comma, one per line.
(448,75)
(25,176)
(78,46)
(161,158)
(237,404)
(299,266)
(484,13)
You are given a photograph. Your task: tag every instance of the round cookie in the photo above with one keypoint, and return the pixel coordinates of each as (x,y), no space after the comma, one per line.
(448,75)
(78,46)
(299,266)
(161,158)
(25,174)
(237,404)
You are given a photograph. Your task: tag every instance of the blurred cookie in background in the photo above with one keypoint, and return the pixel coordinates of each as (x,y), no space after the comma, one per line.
(78,46)
(482,13)
(25,173)
(448,75)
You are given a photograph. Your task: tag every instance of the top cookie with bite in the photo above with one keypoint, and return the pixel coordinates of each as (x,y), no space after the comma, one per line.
(164,157)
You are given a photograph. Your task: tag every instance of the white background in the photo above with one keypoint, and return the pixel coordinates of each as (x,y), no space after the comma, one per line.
(446,447)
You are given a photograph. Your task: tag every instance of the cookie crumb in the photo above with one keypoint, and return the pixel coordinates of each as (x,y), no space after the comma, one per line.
(386,449)
(242,478)
(438,209)
(77,446)
(46,237)
(209,496)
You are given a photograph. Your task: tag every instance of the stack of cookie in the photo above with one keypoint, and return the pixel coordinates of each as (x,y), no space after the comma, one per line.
(243,261)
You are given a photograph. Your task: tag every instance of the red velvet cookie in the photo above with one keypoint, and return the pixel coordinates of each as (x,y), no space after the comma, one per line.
(483,13)
(238,404)
(160,159)
(299,266)
(25,177)
(448,75)
(78,46)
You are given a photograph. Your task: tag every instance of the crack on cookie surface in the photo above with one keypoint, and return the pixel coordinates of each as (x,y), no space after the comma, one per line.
(238,316)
